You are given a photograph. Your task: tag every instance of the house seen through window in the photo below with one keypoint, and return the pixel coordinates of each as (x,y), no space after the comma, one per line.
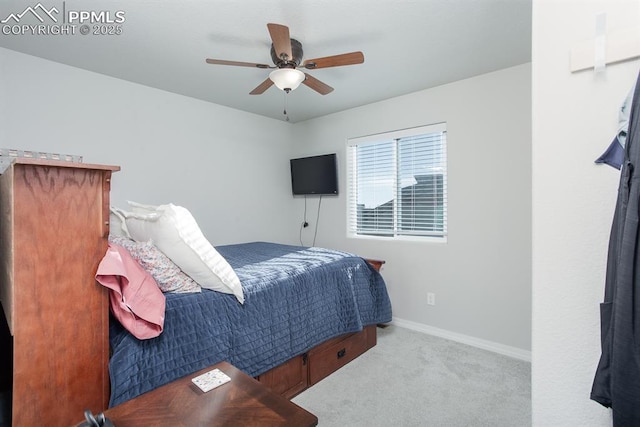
(397,183)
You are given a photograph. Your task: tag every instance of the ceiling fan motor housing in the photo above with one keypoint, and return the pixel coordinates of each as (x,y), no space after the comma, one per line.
(296,51)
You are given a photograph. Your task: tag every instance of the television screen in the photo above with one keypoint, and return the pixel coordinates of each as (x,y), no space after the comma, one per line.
(314,175)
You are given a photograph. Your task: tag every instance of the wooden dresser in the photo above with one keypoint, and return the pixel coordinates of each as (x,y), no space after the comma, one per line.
(53,234)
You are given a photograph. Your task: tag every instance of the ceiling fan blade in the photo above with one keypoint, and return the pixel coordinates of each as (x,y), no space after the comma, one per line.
(259,90)
(317,85)
(334,61)
(281,40)
(236,63)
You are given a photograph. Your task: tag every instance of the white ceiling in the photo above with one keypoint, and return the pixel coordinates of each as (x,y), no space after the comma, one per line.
(408,45)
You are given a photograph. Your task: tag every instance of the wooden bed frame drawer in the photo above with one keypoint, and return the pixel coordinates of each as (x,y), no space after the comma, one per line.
(334,354)
(288,379)
(297,374)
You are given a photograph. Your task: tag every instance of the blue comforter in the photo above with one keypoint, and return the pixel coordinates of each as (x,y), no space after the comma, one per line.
(295,298)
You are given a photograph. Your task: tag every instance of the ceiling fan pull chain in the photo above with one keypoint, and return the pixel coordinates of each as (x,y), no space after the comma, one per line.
(286,116)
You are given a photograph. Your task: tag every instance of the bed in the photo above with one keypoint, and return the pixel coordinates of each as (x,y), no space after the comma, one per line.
(60,334)
(295,299)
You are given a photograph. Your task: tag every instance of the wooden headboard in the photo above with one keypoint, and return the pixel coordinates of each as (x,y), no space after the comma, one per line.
(53,232)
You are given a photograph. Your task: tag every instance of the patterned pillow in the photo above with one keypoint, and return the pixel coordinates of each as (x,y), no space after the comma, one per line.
(168,276)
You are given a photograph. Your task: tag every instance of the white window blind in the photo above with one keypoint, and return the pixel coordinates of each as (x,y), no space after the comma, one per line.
(397,183)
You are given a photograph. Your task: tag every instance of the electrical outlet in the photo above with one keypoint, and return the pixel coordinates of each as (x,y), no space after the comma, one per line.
(431,298)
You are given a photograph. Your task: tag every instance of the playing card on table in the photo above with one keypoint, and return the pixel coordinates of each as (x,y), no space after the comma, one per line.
(210,380)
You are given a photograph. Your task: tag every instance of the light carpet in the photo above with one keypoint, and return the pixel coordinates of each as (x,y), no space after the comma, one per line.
(414,379)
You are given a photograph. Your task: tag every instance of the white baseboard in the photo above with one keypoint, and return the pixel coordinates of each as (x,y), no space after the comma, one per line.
(516,353)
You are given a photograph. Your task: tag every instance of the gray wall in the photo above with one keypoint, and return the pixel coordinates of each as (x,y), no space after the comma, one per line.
(482,275)
(228,167)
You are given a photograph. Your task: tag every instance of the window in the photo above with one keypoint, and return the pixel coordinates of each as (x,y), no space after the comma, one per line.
(397,183)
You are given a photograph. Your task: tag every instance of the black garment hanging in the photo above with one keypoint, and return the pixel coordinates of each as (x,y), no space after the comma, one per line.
(614,154)
(617,379)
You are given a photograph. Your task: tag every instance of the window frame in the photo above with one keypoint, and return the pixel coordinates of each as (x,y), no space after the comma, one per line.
(351,183)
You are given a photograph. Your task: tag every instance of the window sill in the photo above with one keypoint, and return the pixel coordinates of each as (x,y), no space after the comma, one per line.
(416,239)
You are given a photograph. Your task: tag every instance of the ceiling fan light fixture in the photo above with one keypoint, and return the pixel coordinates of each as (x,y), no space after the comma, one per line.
(287,79)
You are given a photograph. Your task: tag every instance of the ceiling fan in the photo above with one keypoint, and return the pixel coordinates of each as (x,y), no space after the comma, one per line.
(286,54)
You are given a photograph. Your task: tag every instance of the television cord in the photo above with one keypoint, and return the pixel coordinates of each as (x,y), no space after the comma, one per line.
(317,221)
(306,224)
(304,220)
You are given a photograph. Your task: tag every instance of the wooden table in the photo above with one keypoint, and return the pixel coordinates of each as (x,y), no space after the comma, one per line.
(241,402)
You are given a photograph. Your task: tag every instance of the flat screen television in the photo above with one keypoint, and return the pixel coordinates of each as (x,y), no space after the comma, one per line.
(314,175)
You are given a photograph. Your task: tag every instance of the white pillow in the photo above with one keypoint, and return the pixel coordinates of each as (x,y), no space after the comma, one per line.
(175,232)
(117,224)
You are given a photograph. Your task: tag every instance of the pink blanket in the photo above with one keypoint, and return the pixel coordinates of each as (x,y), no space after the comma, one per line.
(135,299)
